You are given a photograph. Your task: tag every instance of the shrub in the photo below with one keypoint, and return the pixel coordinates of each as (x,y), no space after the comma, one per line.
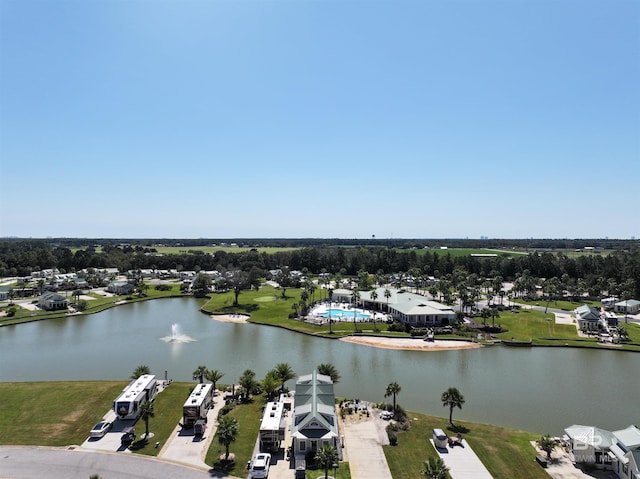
(397,326)
(163,287)
(393,438)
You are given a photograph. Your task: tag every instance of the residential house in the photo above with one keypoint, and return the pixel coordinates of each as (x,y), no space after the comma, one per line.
(314,423)
(626,453)
(629,306)
(51,301)
(588,318)
(120,287)
(617,451)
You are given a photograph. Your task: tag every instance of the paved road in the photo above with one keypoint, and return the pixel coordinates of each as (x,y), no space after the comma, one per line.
(59,463)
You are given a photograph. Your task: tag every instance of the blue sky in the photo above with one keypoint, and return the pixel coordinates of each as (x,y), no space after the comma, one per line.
(403,119)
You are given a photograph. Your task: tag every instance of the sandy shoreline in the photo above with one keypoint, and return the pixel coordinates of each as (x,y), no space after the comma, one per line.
(411,344)
(230,318)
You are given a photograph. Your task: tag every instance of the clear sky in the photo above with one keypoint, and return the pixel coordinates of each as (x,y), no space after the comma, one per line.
(403,119)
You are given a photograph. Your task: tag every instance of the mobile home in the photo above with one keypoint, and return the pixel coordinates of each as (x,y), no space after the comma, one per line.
(139,391)
(196,405)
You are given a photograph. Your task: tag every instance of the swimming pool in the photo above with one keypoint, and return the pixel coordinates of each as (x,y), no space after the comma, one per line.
(343,313)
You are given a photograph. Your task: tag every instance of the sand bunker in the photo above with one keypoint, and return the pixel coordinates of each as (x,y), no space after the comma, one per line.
(411,344)
(230,318)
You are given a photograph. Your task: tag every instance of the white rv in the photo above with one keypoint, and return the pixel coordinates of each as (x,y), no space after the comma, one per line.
(196,405)
(139,391)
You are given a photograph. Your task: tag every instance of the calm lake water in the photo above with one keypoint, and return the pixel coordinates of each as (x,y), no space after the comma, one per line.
(535,389)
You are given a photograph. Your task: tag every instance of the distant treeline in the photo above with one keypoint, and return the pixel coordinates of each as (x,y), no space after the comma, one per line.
(598,271)
(402,243)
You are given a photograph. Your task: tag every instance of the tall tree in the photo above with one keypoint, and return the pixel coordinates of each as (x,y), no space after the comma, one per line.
(200,373)
(387,295)
(140,371)
(146,412)
(452,398)
(201,285)
(239,282)
(355,296)
(330,370)
(248,382)
(285,373)
(270,384)
(435,468)
(214,376)
(227,432)
(326,457)
(393,389)
(374,296)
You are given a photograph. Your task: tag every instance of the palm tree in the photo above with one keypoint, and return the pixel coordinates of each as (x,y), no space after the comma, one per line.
(355,296)
(326,457)
(435,468)
(374,296)
(392,390)
(270,384)
(547,444)
(227,432)
(200,373)
(452,398)
(248,382)
(214,376)
(146,412)
(140,371)
(328,369)
(284,373)
(387,295)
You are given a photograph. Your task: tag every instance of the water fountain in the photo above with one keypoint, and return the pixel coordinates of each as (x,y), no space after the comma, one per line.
(177,336)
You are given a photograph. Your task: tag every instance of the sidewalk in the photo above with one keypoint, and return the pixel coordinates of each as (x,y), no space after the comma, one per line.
(462,462)
(183,447)
(363,448)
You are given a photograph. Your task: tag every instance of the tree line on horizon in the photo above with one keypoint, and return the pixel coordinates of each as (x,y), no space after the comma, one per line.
(596,273)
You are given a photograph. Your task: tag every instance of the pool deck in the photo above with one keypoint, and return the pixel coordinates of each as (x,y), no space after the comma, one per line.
(319,314)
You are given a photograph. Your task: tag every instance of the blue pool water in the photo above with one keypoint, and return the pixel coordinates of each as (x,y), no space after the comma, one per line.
(341,313)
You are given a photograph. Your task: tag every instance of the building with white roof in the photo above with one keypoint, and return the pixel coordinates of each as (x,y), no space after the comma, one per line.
(408,308)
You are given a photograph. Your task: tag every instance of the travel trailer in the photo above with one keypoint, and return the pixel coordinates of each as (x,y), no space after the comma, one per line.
(139,391)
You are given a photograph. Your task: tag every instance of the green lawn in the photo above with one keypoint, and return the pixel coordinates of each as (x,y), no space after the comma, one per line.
(505,452)
(248,416)
(53,413)
(564,305)
(527,324)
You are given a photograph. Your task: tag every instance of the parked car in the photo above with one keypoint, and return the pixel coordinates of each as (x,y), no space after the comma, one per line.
(260,466)
(128,436)
(100,429)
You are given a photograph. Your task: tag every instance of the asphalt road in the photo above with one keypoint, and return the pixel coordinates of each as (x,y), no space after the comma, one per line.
(58,463)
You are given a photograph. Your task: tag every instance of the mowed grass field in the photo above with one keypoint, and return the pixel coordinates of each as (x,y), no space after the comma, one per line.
(467,252)
(506,453)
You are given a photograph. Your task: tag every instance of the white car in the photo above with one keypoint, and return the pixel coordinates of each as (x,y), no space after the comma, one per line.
(260,466)
(100,429)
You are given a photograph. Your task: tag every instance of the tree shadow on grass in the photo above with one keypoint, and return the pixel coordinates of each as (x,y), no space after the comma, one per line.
(222,467)
(139,444)
(457,428)
(247,308)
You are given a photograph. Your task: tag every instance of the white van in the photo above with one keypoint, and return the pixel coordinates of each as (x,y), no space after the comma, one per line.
(260,466)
